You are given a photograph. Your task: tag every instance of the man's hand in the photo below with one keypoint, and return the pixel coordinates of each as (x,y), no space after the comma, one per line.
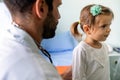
(67,75)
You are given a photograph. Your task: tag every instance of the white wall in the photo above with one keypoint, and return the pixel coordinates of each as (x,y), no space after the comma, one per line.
(70,10)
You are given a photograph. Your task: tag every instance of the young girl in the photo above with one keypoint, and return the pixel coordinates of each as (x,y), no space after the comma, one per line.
(90,56)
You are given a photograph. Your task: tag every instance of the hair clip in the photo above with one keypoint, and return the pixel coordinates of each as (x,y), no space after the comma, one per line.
(95,10)
(78,22)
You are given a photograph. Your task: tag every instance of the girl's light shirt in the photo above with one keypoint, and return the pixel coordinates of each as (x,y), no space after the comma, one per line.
(90,63)
(24,62)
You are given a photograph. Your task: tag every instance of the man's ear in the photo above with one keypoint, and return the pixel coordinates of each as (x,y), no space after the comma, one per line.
(86,29)
(39,8)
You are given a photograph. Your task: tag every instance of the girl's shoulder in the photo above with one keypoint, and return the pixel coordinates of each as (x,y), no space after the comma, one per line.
(82,46)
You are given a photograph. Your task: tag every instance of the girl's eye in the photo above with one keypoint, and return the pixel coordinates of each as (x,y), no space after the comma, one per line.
(103,26)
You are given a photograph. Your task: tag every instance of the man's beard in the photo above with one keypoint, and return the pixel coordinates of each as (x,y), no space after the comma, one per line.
(49,27)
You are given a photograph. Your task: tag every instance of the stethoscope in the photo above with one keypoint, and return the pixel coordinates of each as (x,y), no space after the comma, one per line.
(44,51)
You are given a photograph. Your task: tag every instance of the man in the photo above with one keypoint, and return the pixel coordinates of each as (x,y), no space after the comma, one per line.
(32,20)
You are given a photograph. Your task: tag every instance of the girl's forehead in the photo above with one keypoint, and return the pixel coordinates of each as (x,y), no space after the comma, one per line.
(103,19)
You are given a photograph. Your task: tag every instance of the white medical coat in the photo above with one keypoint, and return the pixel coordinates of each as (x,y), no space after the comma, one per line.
(20,58)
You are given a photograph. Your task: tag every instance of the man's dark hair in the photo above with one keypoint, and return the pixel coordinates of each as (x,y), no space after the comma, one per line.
(24,6)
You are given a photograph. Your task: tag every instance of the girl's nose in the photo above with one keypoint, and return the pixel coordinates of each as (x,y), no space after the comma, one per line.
(108,30)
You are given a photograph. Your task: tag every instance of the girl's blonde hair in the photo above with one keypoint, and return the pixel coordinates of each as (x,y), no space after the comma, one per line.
(86,18)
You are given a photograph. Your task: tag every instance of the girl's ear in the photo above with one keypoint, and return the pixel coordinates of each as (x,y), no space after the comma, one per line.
(40,8)
(86,29)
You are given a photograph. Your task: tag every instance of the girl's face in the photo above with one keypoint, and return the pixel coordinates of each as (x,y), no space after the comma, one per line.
(101,29)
